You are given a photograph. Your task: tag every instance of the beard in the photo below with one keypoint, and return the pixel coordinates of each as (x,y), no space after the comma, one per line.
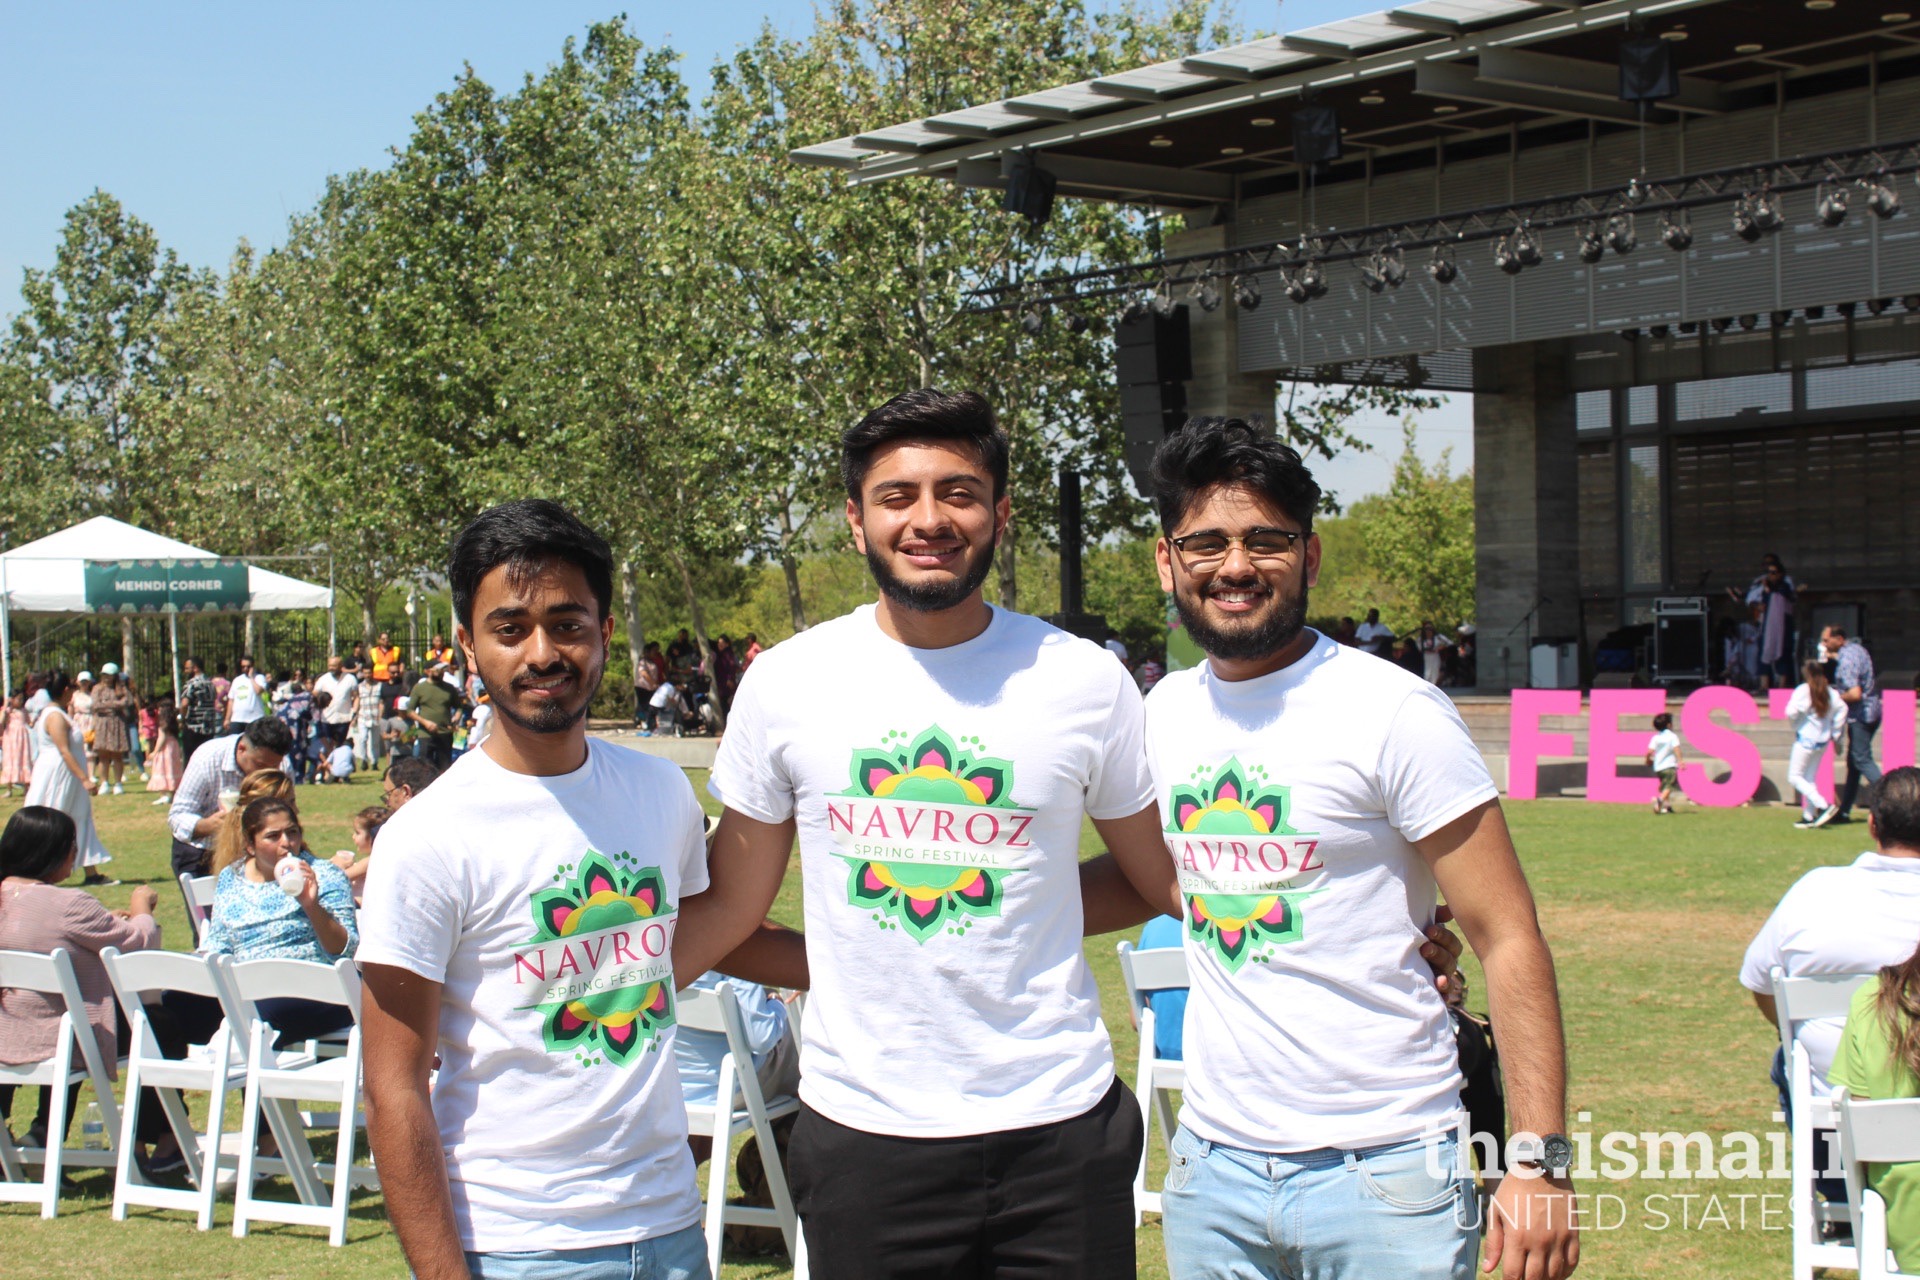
(548,717)
(1257,636)
(936,595)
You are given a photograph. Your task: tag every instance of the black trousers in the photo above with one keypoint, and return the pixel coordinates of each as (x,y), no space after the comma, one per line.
(150,1121)
(189,859)
(1053,1202)
(191,742)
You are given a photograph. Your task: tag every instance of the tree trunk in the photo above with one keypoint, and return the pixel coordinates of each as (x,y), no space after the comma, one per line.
(699,631)
(790,569)
(630,606)
(126,648)
(248,643)
(369,615)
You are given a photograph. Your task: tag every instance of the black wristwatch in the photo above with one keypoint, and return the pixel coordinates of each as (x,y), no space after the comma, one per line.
(1553,1153)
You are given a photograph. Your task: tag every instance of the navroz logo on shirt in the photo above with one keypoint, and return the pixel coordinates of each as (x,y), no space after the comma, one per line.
(600,963)
(929,831)
(1231,842)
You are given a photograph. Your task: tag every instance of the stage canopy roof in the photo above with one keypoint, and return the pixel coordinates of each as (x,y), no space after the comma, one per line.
(94,564)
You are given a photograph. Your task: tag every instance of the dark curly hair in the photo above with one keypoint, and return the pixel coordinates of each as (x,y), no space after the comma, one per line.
(1215,451)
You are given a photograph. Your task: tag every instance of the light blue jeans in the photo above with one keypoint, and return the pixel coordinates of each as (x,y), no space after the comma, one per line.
(1381,1211)
(680,1256)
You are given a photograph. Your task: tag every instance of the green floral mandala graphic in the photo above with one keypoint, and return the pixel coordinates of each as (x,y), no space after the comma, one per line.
(1236,801)
(613,1026)
(930,768)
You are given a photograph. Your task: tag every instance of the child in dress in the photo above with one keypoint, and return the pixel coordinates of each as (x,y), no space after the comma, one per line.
(16,744)
(164,764)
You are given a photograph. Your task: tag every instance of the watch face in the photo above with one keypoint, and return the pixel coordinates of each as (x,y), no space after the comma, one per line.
(1559,1153)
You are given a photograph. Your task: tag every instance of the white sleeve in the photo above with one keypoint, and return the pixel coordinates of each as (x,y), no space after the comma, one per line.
(1121,784)
(1798,705)
(1430,772)
(746,777)
(693,849)
(1763,953)
(414,913)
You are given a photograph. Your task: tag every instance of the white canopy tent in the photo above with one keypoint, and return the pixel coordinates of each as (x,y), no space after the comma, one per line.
(51,575)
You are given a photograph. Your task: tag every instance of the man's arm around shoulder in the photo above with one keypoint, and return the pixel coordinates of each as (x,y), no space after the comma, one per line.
(400,1027)
(1530,1230)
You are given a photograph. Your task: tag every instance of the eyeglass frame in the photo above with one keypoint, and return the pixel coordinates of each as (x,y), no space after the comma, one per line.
(1295,539)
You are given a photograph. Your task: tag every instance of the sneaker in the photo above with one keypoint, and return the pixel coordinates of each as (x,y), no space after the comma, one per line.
(162,800)
(98,882)
(119,789)
(1826,815)
(1805,823)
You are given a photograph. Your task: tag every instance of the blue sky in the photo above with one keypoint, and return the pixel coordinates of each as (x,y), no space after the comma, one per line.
(214,120)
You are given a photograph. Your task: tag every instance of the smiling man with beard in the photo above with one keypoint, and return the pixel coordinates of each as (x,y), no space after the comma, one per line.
(518,928)
(1315,800)
(960,1111)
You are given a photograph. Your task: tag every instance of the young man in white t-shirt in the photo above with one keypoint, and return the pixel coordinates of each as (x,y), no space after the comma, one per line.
(1314,802)
(960,1110)
(519,930)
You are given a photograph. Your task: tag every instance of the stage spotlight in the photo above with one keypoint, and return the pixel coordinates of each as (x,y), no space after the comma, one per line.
(1779,319)
(1206,294)
(1386,269)
(1847,309)
(1630,335)
(1881,197)
(1077,321)
(1621,237)
(1526,246)
(1307,283)
(1636,192)
(1442,268)
(1163,301)
(1660,331)
(1689,327)
(1743,224)
(1816,313)
(1911,302)
(1246,292)
(1592,247)
(1877,305)
(1722,323)
(1677,235)
(1766,212)
(1134,311)
(1510,252)
(1749,322)
(1831,205)
(1034,318)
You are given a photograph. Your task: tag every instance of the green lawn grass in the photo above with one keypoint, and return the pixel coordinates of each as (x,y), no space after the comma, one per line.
(1648,918)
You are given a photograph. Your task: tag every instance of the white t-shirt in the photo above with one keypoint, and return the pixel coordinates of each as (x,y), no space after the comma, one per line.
(244,705)
(1373,636)
(1117,647)
(340,762)
(1291,803)
(939,795)
(340,691)
(1665,746)
(1852,919)
(546,906)
(663,696)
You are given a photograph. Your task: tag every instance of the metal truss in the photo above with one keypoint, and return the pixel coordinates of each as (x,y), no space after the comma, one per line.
(1607,220)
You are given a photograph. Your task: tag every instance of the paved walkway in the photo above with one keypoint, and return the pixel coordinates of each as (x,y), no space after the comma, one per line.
(688,753)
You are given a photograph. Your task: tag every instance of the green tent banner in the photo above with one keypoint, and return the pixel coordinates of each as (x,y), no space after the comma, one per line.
(166,586)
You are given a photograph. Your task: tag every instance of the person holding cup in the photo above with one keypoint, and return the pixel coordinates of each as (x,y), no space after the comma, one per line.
(279,902)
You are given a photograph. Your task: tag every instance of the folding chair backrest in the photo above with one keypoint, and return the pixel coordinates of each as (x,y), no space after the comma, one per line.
(696,1009)
(197,892)
(1884,1132)
(139,977)
(1151,970)
(1797,1000)
(53,975)
(336,983)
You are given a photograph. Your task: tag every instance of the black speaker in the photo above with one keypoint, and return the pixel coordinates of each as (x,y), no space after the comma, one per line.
(1316,135)
(1152,360)
(1029,190)
(1154,348)
(1646,70)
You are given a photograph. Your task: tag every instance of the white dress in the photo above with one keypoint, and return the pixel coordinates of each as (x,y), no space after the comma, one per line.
(55,786)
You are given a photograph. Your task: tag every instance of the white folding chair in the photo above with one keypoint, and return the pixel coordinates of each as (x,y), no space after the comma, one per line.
(217,1068)
(197,892)
(737,1107)
(1155,1080)
(1886,1132)
(52,975)
(277,1078)
(1797,1001)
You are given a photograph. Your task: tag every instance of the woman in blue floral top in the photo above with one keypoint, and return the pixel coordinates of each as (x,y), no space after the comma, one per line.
(254,919)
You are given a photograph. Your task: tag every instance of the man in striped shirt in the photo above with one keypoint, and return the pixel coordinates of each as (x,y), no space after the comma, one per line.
(220,765)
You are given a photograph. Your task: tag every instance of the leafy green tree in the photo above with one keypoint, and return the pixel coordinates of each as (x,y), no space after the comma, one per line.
(1419,539)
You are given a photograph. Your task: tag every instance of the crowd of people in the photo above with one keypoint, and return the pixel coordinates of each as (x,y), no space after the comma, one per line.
(1428,651)
(679,690)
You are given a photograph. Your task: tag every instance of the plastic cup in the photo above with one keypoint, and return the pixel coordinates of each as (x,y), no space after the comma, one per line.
(289,877)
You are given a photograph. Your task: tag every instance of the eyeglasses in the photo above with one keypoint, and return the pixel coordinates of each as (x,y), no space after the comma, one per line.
(1202,551)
